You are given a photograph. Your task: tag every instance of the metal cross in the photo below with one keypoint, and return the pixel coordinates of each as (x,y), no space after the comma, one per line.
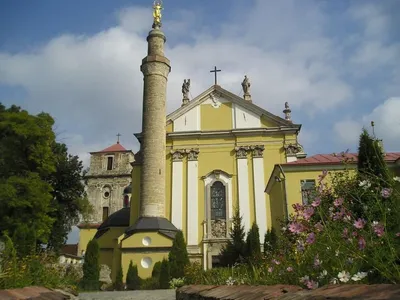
(215,74)
(118,135)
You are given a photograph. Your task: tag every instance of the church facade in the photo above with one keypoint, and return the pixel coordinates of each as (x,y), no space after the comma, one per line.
(216,153)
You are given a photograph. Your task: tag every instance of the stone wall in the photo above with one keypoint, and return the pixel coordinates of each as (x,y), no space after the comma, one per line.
(289,292)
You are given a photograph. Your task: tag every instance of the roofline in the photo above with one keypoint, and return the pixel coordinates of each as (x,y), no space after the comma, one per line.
(97,152)
(234,98)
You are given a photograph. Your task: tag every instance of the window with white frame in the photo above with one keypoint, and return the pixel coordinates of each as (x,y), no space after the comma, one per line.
(307,190)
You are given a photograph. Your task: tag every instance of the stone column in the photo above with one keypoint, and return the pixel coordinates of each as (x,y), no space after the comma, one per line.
(192,197)
(259,186)
(243,184)
(155,68)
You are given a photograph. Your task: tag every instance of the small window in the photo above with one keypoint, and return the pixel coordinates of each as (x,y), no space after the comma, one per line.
(105,213)
(218,201)
(307,189)
(109,163)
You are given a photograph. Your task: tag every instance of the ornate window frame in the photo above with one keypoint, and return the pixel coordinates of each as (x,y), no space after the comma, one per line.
(209,180)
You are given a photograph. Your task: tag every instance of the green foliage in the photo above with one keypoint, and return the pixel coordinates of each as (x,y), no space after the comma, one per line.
(235,249)
(194,273)
(156,270)
(151,283)
(371,160)
(25,240)
(164,274)
(178,256)
(132,277)
(119,284)
(91,267)
(253,249)
(270,241)
(40,183)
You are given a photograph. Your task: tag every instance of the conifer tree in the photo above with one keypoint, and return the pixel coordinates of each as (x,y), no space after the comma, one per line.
(119,284)
(371,162)
(235,248)
(178,256)
(156,270)
(132,277)
(91,267)
(253,249)
(164,274)
(270,241)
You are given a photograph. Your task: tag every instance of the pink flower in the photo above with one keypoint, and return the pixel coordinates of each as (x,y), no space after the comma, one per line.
(311,284)
(297,207)
(361,243)
(354,233)
(319,227)
(316,202)
(289,269)
(386,192)
(296,227)
(338,202)
(310,238)
(379,229)
(270,269)
(398,234)
(360,223)
(308,212)
(345,233)
(277,262)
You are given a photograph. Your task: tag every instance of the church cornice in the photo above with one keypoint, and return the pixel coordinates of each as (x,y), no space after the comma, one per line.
(91,176)
(228,133)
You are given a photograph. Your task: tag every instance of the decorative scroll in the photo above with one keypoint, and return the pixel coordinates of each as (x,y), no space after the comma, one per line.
(293,149)
(193,154)
(177,155)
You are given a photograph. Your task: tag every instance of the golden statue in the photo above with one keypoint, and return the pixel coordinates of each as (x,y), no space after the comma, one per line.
(157,13)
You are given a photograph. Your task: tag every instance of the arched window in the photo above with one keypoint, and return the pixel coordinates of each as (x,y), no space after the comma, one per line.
(218,201)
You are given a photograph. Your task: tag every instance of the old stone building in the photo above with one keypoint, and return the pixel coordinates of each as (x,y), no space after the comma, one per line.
(108,187)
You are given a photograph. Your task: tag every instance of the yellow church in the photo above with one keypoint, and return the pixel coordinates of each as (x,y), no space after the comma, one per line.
(215,153)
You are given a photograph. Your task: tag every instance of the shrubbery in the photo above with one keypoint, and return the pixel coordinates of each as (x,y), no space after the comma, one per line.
(91,267)
(132,278)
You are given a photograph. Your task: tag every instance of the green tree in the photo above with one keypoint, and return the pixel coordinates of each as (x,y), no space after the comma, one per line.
(234,250)
(178,256)
(156,270)
(24,238)
(119,284)
(371,162)
(69,197)
(132,278)
(164,274)
(253,249)
(91,267)
(270,241)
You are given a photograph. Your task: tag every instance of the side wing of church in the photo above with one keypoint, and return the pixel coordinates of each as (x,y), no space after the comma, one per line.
(220,151)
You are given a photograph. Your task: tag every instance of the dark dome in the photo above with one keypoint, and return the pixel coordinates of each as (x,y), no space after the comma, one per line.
(128,189)
(118,219)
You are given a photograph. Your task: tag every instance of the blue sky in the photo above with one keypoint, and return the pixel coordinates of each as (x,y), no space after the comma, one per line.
(337,63)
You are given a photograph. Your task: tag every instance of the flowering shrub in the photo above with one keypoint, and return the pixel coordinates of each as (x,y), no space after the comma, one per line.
(176,283)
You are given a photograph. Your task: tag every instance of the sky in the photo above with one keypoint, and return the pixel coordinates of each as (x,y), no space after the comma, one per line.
(337,64)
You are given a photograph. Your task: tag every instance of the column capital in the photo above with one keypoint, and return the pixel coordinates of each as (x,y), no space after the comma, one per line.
(193,153)
(257,150)
(241,151)
(177,154)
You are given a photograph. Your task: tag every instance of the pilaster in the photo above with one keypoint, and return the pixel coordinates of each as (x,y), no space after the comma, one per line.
(243,184)
(192,197)
(177,193)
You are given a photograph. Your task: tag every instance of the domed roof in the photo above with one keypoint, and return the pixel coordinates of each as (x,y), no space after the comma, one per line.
(128,189)
(118,219)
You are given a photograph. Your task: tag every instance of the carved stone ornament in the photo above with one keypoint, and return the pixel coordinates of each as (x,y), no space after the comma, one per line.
(257,150)
(193,153)
(177,155)
(293,149)
(218,228)
(215,101)
(241,151)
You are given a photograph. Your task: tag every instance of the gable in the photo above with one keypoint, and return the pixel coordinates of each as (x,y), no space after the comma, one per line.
(217,109)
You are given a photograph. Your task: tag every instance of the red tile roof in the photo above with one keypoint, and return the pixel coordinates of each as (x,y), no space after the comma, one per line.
(71,249)
(331,159)
(114,148)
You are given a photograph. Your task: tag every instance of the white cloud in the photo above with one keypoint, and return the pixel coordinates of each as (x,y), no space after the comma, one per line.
(386,117)
(92,85)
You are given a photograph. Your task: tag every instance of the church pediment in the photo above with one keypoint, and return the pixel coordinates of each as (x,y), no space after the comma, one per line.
(218,109)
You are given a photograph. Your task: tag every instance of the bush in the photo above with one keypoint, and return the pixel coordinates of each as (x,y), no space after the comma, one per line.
(178,256)
(119,284)
(91,267)
(164,274)
(132,278)
(156,270)
(253,249)
(270,241)
(194,273)
(235,249)
(151,283)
